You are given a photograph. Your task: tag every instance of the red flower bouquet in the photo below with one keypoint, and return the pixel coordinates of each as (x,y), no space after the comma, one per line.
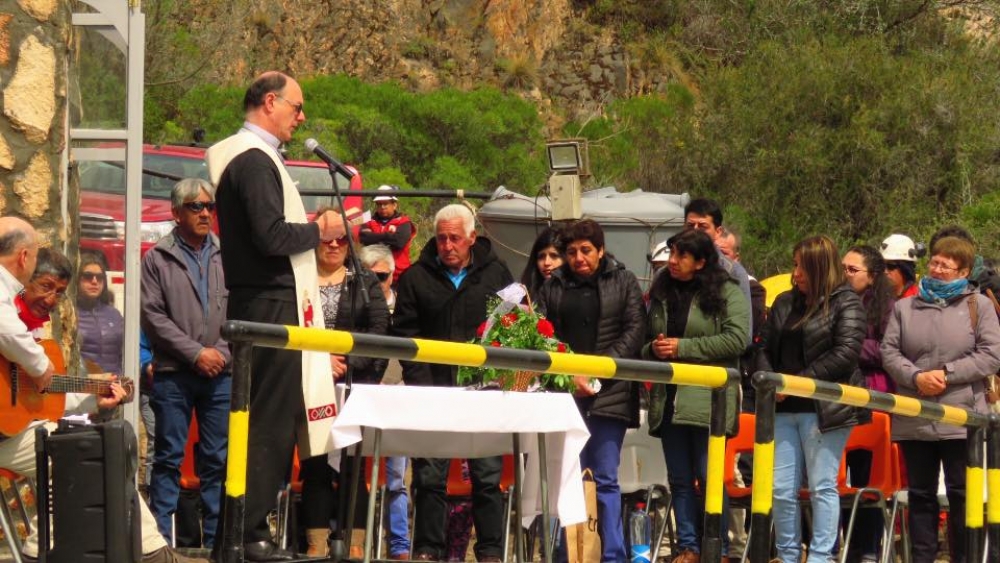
(512,325)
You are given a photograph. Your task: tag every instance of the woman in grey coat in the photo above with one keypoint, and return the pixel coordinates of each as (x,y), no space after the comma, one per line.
(939,347)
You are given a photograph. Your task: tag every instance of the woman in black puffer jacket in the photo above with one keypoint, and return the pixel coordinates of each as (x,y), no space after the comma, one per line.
(815,330)
(596,307)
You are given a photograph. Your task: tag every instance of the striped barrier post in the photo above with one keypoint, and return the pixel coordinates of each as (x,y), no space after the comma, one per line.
(762,488)
(247,334)
(236,462)
(714,527)
(993,488)
(974,483)
(770,382)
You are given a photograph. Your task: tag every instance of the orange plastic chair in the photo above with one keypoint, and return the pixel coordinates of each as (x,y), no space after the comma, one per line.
(874,437)
(741,443)
(189,477)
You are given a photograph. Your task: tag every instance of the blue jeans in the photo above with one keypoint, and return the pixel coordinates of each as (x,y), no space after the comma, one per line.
(603,455)
(685,449)
(175,396)
(399,504)
(798,444)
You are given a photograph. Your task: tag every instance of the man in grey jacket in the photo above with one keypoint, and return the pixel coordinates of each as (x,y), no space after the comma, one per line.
(183,309)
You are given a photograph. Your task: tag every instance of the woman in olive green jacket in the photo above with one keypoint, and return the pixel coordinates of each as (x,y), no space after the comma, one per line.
(698,315)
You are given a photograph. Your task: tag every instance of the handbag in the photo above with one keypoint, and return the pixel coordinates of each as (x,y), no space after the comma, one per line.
(583,544)
(992,381)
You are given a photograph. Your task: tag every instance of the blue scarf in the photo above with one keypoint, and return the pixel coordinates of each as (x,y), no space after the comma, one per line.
(936,291)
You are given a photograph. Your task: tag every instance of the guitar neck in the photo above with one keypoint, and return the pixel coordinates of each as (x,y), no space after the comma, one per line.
(73,384)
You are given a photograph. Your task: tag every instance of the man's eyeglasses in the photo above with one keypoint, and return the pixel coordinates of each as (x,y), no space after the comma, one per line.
(48,290)
(199,206)
(92,276)
(296,107)
(853,270)
(382,276)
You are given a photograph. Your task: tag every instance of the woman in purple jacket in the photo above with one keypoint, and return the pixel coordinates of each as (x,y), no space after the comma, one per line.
(101,326)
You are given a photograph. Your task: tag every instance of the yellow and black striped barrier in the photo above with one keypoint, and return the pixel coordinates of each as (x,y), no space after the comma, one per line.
(244,335)
(768,384)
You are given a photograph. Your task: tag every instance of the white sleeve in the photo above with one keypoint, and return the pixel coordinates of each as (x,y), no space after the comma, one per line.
(17,344)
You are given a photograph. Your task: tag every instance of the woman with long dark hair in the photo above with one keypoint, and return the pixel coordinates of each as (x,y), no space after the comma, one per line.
(699,315)
(815,330)
(543,259)
(865,270)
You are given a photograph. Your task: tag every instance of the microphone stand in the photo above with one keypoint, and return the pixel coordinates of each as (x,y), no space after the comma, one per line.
(340,541)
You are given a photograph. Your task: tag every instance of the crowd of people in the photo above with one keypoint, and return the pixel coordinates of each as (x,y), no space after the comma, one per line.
(862,317)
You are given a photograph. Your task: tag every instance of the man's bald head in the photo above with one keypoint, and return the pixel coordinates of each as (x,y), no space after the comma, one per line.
(274,102)
(728,244)
(18,247)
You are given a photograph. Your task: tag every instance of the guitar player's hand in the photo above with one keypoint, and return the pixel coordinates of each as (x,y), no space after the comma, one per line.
(42,382)
(111,401)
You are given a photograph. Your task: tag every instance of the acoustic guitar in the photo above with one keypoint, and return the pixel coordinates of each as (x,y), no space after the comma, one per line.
(21,403)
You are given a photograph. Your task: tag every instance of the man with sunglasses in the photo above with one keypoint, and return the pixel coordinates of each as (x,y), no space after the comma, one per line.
(183,309)
(268,254)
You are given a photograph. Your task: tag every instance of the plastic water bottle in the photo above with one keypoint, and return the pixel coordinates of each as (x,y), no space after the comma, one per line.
(639,528)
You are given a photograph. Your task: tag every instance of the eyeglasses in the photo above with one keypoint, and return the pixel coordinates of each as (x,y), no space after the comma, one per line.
(382,276)
(853,270)
(199,206)
(940,266)
(297,107)
(48,290)
(92,276)
(341,241)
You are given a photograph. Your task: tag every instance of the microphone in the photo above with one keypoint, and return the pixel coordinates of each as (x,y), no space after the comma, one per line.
(314,147)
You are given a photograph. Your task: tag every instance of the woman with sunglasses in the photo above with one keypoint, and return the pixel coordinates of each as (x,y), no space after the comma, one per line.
(865,271)
(939,347)
(343,308)
(101,327)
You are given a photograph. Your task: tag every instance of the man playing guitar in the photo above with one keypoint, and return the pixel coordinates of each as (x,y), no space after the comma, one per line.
(27,297)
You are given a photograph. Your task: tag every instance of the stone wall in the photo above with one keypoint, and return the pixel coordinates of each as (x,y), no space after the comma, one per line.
(34,51)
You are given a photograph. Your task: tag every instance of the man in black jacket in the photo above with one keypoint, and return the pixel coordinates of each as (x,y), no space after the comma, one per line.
(268,256)
(443,296)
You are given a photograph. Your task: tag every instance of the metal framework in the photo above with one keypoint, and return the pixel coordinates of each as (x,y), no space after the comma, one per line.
(123,24)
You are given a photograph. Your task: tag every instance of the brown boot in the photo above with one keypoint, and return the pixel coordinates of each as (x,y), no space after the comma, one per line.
(317,539)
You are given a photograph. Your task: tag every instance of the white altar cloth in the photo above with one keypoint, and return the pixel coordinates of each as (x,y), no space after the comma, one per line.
(442,422)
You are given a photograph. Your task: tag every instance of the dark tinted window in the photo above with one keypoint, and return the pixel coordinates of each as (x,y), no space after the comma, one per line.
(160,173)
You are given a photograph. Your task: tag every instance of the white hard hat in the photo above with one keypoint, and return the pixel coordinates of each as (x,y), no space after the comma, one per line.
(389,195)
(899,247)
(660,253)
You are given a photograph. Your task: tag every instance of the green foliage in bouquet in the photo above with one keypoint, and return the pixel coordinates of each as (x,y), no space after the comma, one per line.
(513,326)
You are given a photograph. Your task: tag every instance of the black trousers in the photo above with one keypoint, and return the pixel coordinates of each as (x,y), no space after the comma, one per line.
(430,478)
(923,462)
(277,409)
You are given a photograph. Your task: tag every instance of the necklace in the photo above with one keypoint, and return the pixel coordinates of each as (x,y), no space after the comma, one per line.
(332,278)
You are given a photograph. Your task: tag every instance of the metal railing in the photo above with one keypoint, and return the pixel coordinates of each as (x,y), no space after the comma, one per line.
(245,335)
(979,426)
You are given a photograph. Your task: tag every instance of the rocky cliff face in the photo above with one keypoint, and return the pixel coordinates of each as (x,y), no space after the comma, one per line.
(543,49)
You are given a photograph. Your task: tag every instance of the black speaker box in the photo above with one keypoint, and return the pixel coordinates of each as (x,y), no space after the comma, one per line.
(93,503)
